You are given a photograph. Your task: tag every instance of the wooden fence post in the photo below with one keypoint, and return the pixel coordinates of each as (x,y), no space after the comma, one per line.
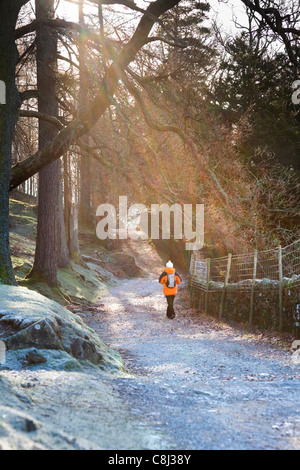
(192,273)
(207,285)
(225,285)
(191,264)
(252,287)
(280,288)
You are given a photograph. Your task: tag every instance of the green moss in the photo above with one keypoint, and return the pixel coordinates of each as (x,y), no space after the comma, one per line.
(22,209)
(76,257)
(81,284)
(77,284)
(23,218)
(23,222)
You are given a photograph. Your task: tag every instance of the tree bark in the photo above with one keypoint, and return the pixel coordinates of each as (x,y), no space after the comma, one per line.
(8,118)
(73,231)
(62,244)
(45,263)
(85,210)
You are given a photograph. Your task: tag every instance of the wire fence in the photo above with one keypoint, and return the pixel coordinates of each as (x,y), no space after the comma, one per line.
(270,280)
(269,267)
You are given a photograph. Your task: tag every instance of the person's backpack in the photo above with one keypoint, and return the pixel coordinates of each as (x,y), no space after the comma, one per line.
(171,281)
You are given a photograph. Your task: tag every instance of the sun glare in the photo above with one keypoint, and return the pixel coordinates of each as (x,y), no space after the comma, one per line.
(67,10)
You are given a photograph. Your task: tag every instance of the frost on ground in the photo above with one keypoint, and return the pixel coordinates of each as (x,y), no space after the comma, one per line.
(201,383)
(56,410)
(56,381)
(192,383)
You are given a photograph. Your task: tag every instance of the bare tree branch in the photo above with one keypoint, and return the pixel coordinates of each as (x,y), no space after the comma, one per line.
(276,22)
(44,117)
(126,3)
(184,137)
(89,116)
(28,94)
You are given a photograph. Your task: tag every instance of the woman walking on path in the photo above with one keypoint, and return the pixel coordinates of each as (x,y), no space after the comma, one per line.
(170,279)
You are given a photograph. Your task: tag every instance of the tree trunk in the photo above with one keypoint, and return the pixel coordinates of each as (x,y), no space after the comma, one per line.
(67,194)
(45,263)
(8,117)
(70,213)
(85,211)
(73,232)
(62,244)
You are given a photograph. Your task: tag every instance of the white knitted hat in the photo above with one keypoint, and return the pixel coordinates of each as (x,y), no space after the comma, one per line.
(169,264)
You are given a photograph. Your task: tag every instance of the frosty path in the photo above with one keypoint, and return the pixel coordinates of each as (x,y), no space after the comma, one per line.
(198,384)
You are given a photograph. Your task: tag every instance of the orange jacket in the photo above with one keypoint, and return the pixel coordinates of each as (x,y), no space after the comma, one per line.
(163,279)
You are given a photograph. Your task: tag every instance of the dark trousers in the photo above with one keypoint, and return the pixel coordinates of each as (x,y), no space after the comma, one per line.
(170,309)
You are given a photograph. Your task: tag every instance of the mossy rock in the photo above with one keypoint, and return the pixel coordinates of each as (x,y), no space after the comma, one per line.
(29,320)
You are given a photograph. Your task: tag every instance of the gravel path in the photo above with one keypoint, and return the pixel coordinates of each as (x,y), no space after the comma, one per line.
(198,383)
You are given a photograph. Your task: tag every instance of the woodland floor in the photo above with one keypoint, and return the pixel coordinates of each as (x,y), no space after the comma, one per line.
(192,382)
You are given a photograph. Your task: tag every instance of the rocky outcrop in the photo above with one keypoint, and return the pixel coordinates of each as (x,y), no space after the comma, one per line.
(38,332)
(122,265)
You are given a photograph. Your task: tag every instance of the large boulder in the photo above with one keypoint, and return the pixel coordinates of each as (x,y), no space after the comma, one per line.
(29,321)
(40,334)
